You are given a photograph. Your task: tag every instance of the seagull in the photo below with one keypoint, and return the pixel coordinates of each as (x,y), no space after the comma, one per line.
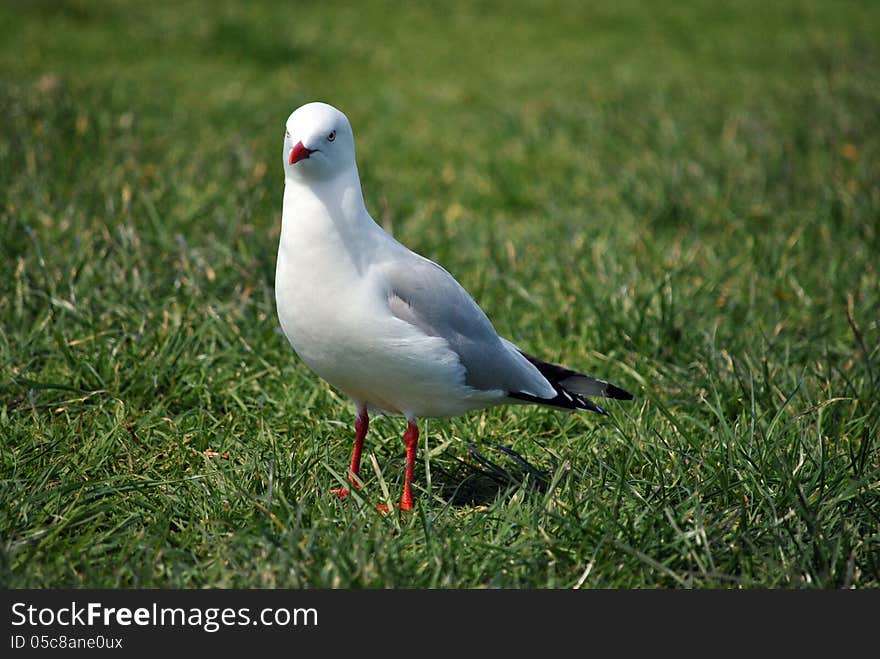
(391,329)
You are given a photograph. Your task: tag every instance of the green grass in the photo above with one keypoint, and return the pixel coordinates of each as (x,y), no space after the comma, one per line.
(685,201)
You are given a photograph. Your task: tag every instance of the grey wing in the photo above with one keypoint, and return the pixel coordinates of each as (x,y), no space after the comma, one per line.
(425,295)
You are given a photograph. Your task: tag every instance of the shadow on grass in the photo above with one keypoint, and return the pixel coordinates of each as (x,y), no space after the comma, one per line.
(479,479)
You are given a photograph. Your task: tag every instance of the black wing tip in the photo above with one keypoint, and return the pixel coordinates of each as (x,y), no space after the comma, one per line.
(564,400)
(556,374)
(617,393)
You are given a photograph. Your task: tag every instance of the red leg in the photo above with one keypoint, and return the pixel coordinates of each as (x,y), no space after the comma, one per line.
(361,425)
(411,439)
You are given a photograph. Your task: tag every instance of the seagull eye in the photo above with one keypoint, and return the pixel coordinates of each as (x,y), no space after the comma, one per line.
(287,134)
(331,136)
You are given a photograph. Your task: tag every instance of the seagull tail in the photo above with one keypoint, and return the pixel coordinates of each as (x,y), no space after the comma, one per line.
(572,388)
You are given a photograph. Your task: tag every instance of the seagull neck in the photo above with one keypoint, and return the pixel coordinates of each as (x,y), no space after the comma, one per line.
(329,212)
(340,197)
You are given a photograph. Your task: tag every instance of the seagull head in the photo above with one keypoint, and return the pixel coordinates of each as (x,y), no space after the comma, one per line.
(318,143)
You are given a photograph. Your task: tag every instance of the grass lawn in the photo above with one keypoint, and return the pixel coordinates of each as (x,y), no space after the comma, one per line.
(684,200)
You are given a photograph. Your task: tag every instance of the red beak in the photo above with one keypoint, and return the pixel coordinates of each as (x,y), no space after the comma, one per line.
(299,152)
